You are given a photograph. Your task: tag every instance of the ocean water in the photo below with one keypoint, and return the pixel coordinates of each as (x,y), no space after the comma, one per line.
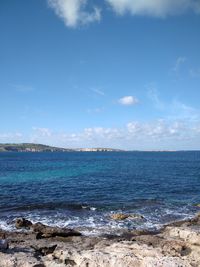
(82,189)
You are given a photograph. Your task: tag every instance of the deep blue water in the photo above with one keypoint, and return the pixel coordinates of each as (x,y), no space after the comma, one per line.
(83,189)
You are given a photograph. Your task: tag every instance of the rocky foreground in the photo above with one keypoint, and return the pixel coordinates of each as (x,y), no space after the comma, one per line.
(177,245)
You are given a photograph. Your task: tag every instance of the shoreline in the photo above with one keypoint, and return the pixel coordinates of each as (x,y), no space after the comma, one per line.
(96,225)
(176,244)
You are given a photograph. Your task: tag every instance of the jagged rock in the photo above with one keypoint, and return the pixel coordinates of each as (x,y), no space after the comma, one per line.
(122,254)
(188,234)
(173,246)
(22,223)
(44,231)
(44,250)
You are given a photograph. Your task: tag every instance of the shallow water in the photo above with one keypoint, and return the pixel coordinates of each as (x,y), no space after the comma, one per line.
(82,190)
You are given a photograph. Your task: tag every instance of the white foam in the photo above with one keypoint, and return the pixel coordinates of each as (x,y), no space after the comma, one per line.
(6,227)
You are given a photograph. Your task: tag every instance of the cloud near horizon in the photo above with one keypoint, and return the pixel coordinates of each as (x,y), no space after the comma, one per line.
(161,134)
(80,12)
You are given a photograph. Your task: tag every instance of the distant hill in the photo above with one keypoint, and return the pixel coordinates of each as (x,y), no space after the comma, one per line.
(29,147)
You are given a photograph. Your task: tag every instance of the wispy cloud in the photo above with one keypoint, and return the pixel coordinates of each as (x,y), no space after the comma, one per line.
(42,131)
(182,111)
(22,88)
(154,8)
(95,110)
(195,73)
(9,137)
(42,135)
(179,62)
(128,100)
(74,12)
(98,91)
(153,95)
(175,109)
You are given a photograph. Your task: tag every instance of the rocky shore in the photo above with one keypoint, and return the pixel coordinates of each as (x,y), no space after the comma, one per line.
(176,245)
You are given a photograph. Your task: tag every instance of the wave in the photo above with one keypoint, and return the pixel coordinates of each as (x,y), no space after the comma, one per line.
(50,206)
(97,223)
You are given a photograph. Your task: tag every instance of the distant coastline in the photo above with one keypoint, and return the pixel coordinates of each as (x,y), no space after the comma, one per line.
(31,147)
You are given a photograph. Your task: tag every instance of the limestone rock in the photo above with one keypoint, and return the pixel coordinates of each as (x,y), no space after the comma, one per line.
(188,234)
(119,216)
(123,216)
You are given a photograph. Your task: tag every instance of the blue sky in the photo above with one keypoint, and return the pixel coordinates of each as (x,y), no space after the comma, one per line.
(111,73)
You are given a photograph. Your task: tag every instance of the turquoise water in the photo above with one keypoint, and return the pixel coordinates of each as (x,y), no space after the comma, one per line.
(82,190)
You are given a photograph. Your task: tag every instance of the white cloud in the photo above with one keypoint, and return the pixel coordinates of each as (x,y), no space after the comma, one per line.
(80,12)
(155,8)
(162,134)
(128,100)
(74,12)
(154,135)
(159,130)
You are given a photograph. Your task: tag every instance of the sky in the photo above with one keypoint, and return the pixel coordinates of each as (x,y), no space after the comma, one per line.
(102,73)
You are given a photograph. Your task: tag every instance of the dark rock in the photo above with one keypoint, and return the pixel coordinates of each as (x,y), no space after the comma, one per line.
(175,248)
(70,262)
(44,250)
(22,223)
(44,231)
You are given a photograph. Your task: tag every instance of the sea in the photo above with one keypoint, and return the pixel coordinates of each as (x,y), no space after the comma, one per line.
(82,190)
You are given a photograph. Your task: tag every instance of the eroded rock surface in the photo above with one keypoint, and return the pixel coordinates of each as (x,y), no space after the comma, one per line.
(176,245)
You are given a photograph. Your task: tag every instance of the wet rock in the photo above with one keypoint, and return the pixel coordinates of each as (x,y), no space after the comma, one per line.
(136,216)
(119,216)
(140,232)
(122,216)
(44,231)
(3,244)
(22,223)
